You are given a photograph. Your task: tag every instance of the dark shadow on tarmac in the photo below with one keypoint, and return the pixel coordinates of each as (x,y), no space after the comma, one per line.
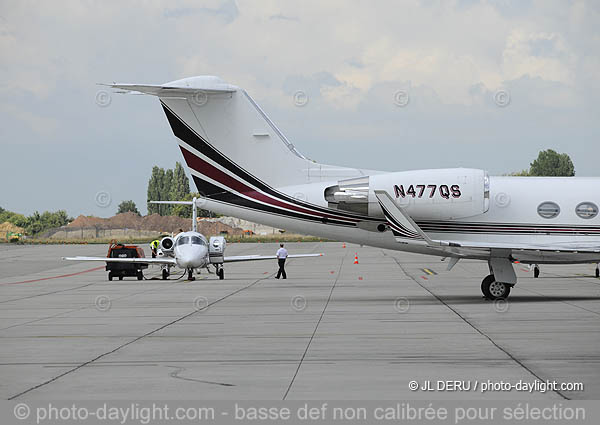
(465,299)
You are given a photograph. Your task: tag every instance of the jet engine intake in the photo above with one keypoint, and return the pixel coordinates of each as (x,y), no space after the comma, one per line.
(166,244)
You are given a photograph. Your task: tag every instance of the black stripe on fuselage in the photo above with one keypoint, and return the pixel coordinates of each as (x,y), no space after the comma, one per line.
(238,201)
(189,136)
(506,228)
(186,134)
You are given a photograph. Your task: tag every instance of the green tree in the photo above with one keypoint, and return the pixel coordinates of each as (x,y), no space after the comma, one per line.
(522,173)
(551,163)
(128,206)
(180,191)
(19,220)
(37,223)
(181,184)
(165,192)
(155,188)
(168,185)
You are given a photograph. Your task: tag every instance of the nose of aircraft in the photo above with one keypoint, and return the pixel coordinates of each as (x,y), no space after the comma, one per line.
(191,256)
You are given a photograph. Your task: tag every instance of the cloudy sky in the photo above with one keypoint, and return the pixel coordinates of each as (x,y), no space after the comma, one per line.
(390,85)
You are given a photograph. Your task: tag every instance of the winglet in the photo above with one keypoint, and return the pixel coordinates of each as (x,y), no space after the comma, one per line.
(402,225)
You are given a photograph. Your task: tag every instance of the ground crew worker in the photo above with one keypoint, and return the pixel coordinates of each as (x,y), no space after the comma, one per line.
(281,256)
(154,247)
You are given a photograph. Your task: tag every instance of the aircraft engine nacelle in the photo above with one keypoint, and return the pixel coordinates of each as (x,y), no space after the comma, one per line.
(441,194)
(216,249)
(166,245)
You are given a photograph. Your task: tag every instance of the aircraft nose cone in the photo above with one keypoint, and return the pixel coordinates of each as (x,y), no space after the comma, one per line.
(191,256)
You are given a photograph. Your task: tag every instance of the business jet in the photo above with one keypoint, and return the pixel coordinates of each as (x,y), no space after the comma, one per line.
(245,167)
(190,250)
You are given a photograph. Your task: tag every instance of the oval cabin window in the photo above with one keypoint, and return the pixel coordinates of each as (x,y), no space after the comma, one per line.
(586,210)
(548,210)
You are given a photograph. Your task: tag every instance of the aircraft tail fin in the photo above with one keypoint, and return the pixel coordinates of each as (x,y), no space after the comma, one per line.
(225,137)
(229,143)
(194,203)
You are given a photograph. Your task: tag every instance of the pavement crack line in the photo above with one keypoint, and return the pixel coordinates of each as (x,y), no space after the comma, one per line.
(314,331)
(85,307)
(479,331)
(175,374)
(82,365)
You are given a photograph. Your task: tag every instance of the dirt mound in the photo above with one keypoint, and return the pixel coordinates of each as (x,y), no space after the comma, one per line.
(152,222)
(167,223)
(9,227)
(84,221)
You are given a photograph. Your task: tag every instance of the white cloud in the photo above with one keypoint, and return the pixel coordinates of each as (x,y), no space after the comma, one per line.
(351,57)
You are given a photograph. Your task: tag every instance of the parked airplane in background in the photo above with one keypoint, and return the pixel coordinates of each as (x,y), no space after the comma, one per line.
(190,250)
(245,167)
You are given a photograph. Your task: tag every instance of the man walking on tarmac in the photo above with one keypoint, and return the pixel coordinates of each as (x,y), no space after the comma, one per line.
(281,256)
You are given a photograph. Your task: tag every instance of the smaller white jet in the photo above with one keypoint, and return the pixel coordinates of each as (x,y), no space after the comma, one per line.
(190,251)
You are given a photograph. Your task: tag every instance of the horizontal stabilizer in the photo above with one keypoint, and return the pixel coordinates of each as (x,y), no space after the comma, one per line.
(187,87)
(199,202)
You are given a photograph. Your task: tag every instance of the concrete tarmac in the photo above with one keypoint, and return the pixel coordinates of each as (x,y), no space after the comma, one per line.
(333,330)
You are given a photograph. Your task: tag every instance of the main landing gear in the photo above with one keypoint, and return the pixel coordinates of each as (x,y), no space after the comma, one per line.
(220,272)
(536,271)
(191,274)
(597,271)
(165,274)
(493,290)
(502,277)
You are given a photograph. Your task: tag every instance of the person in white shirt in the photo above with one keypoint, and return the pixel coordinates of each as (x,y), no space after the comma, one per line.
(281,256)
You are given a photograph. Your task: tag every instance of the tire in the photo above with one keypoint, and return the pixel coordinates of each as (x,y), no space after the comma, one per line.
(485,286)
(120,277)
(221,274)
(597,272)
(165,274)
(140,275)
(536,272)
(493,290)
(110,275)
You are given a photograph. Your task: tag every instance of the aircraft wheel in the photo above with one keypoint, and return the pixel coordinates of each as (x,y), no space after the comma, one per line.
(140,275)
(110,275)
(597,272)
(165,274)
(190,274)
(493,290)
(536,272)
(120,277)
(485,284)
(221,274)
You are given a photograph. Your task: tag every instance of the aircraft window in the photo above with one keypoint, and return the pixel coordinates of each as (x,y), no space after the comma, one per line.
(586,210)
(196,240)
(548,210)
(184,240)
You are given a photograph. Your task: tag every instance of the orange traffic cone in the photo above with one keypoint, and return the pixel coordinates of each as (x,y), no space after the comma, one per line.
(356,258)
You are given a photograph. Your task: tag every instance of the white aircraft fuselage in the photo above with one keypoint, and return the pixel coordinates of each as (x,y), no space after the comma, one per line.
(244,166)
(191,250)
